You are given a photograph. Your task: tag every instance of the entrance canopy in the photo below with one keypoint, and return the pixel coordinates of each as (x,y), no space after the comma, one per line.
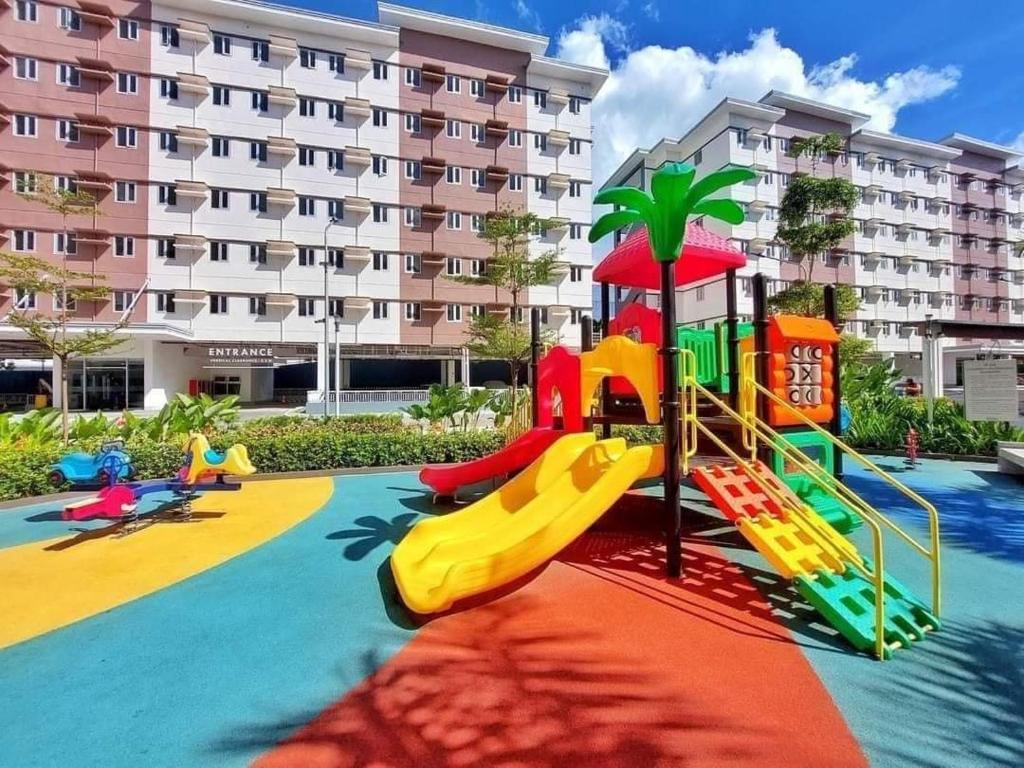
(631,263)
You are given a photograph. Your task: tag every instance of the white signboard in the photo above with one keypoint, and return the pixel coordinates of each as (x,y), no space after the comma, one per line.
(990,390)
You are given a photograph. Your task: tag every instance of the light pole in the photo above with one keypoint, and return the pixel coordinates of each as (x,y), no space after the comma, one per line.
(337,365)
(327,310)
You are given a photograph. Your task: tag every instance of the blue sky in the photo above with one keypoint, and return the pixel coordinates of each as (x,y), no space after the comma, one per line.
(924,69)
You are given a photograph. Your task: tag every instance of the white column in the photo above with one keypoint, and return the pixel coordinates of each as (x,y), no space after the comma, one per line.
(57,394)
(154,386)
(322,370)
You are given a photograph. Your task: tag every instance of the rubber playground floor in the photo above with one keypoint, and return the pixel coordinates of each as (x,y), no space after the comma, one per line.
(267,632)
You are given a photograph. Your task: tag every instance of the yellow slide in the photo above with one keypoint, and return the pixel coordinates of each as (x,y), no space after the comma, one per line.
(521,525)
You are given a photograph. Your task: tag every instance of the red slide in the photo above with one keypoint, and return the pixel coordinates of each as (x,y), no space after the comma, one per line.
(445,479)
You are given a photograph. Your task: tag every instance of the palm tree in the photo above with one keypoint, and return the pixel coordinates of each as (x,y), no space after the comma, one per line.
(673,199)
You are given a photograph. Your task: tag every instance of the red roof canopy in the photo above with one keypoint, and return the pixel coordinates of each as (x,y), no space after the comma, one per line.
(632,264)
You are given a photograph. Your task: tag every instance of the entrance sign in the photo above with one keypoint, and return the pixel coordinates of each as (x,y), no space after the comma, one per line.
(990,390)
(246,355)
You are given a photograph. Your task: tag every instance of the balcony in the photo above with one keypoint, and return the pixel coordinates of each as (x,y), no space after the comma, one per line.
(557,98)
(433,306)
(760,171)
(935,173)
(283,250)
(93,238)
(194,137)
(754,138)
(358,156)
(96,13)
(189,243)
(281,197)
(906,197)
(872,225)
(937,233)
(198,85)
(196,31)
(282,146)
(905,261)
(496,83)
(357,107)
(496,173)
(94,181)
(871,192)
(357,303)
(495,127)
(940,264)
(357,253)
(938,298)
(357,60)
(95,125)
(434,258)
(433,118)
(98,70)
(904,230)
(903,166)
(756,208)
(283,47)
(558,224)
(194,190)
(433,73)
(872,258)
(359,206)
(757,246)
(936,204)
(558,138)
(433,165)
(282,96)
(194,296)
(434,211)
(558,181)
(284,301)
(870,160)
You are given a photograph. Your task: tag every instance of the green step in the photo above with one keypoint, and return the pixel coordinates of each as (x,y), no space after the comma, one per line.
(834,512)
(847,601)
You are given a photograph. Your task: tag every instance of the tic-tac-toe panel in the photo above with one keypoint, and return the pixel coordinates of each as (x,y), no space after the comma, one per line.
(800,370)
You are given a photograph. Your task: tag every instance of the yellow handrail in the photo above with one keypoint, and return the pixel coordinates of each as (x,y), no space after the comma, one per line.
(812,522)
(752,387)
(520,420)
(689,407)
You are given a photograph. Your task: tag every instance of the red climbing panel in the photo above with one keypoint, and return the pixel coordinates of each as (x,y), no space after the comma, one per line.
(736,494)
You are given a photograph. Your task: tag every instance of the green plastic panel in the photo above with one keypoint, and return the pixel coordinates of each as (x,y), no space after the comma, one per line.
(847,601)
(722,339)
(702,344)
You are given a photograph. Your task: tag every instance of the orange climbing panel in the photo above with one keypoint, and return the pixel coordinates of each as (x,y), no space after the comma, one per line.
(735,493)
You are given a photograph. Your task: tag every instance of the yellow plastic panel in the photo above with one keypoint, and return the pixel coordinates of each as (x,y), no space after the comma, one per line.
(621,356)
(787,546)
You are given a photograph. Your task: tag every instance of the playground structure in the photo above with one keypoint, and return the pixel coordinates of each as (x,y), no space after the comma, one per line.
(203,469)
(761,405)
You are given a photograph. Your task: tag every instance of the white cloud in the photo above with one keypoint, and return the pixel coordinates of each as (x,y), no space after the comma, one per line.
(1018,143)
(528,15)
(651,11)
(654,92)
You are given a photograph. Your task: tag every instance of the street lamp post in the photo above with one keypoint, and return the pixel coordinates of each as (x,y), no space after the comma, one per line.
(337,365)
(327,310)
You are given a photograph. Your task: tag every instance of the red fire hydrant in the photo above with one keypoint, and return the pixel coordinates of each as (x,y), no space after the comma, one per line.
(913,443)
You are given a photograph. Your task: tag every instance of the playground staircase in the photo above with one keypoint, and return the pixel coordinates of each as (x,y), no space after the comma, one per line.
(826,567)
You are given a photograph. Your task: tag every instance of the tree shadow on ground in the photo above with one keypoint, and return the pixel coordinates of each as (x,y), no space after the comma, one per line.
(502,689)
(373,532)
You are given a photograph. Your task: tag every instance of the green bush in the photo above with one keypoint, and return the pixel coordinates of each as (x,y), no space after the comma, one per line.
(25,472)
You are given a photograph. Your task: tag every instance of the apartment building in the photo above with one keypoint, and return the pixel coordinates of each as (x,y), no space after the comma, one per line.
(938,224)
(235,147)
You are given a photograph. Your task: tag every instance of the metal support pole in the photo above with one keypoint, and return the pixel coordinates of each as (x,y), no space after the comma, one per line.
(760,290)
(535,347)
(831,298)
(606,392)
(670,408)
(337,366)
(587,344)
(327,313)
(732,338)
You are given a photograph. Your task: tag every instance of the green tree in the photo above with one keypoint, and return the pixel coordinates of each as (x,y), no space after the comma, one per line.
(30,276)
(808,299)
(511,268)
(814,217)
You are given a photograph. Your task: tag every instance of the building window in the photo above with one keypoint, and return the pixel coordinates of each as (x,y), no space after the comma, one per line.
(24,240)
(258,202)
(260,101)
(69,76)
(127,83)
(575,105)
(307,107)
(219,199)
(575,189)
(454,220)
(413,310)
(380,70)
(477,311)
(307,58)
(122,300)
(218,304)
(64,303)
(453,129)
(454,312)
(221,146)
(477,178)
(307,206)
(24,299)
(477,267)
(476,88)
(68,18)
(165,248)
(380,310)
(413,123)
(257,305)
(25,183)
(453,174)
(477,133)
(222,45)
(307,307)
(26,68)
(124,191)
(575,231)
(260,50)
(540,185)
(476,222)
(380,165)
(380,213)
(67,130)
(540,99)
(336,308)
(25,125)
(540,141)
(574,316)
(453,84)
(257,253)
(218,251)
(413,263)
(575,274)
(221,95)
(258,151)
(336,111)
(515,94)
(64,243)
(698,293)
(336,63)
(27,11)
(169,36)
(413,169)
(127,137)
(307,156)
(168,141)
(413,78)
(515,138)
(380,262)
(515,182)
(124,246)
(165,302)
(413,217)
(307,257)
(128,29)
(453,267)
(576,147)
(167,195)
(336,209)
